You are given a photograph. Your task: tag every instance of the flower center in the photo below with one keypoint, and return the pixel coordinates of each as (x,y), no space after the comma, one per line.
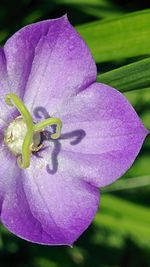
(23,136)
(15,134)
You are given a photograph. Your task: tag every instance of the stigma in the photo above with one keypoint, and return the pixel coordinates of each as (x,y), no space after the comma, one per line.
(22,136)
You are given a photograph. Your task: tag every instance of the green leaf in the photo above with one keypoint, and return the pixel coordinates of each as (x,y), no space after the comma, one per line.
(123,37)
(140,100)
(130,183)
(130,77)
(97,8)
(124,218)
(80,2)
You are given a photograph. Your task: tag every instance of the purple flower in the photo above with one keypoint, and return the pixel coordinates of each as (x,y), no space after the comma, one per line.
(53,195)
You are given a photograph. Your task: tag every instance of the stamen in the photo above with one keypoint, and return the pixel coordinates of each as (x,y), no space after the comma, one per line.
(50,121)
(23,160)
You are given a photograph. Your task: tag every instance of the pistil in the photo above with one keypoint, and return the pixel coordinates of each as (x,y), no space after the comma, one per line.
(31,132)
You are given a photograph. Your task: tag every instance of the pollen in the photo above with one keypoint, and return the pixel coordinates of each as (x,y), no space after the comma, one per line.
(15,134)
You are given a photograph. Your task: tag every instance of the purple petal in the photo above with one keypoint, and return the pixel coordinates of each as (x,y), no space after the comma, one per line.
(45,57)
(4,85)
(8,172)
(48,55)
(54,57)
(47,208)
(112,135)
(4,89)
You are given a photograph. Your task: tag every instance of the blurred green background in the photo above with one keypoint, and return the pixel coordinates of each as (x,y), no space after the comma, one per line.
(118,34)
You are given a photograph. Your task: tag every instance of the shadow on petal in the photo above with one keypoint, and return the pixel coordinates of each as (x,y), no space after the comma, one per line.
(41,113)
(76,137)
(54,157)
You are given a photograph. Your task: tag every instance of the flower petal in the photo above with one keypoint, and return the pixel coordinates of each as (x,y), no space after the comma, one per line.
(18,56)
(54,56)
(8,172)
(47,56)
(47,208)
(108,131)
(4,89)
(4,85)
